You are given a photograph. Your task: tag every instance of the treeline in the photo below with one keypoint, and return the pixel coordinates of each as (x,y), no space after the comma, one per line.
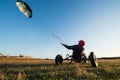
(109,58)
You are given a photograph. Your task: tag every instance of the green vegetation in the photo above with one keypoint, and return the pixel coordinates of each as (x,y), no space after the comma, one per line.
(47,70)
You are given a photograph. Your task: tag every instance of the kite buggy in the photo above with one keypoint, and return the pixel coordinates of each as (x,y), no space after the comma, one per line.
(78,55)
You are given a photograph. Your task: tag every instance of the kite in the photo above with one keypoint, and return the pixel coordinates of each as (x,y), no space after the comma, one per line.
(24,8)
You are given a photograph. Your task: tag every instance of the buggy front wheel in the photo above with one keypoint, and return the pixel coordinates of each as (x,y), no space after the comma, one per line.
(58,59)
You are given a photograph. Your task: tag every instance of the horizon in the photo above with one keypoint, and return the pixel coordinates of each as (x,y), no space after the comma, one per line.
(2,54)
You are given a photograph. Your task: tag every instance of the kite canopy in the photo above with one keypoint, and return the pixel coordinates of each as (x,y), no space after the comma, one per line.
(81,43)
(24,8)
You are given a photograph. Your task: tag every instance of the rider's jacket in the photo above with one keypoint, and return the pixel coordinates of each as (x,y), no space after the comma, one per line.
(77,50)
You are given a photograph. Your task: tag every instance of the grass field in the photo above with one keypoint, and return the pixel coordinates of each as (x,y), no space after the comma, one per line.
(26,69)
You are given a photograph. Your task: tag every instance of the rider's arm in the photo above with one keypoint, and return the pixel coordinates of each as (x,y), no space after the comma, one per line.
(66,46)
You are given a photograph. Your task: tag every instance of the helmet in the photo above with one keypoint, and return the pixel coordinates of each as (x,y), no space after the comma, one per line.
(81,43)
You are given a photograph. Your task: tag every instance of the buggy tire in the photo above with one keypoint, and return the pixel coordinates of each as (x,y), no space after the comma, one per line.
(93,59)
(58,59)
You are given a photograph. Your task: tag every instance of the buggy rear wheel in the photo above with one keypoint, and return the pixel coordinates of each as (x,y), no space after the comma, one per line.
(93,59)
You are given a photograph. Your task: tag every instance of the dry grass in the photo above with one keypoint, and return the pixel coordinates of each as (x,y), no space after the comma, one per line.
(46,70)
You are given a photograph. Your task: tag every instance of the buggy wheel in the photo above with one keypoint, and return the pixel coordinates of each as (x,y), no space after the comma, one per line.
(58,59)
(93,59)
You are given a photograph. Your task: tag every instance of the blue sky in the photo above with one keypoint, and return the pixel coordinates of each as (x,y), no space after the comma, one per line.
(97,22)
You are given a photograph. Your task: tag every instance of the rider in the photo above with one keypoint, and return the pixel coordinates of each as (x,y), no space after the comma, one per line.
(77,51)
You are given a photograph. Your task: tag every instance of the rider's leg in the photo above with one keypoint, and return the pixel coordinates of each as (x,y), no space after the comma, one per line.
(84,57)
